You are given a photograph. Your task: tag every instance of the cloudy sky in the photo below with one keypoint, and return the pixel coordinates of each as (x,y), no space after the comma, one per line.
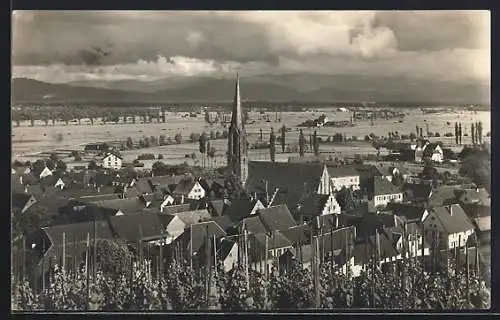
(62,46)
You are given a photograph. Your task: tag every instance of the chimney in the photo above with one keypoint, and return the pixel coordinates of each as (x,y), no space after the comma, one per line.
(21,179)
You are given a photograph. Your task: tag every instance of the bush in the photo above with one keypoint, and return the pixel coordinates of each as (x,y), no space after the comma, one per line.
(449,134)
(437,134)
(160,156)
(146,156)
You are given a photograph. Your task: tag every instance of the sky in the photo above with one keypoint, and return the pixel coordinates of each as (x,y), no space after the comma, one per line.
(65,46)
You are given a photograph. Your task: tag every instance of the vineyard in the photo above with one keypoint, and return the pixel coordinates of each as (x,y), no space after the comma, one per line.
(181,287)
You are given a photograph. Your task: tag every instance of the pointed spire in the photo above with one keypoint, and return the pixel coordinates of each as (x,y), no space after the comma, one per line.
(237,117)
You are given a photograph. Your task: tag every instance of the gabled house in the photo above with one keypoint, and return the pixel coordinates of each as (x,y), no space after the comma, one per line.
(189,188)
(384,192)
(123,206)
(444,195)
(317,204)
(193,217)
(291,181)
(480,216)
(411,213)
(365,249)
(216,207)
(45,173)
(22,201)
(173,209)
(417,193)
(474,196)
(137,227)
(415,241)
(238,209)
(449,224)
(194,240)
(227,252)
(343,176)
(433,152)
(111,160)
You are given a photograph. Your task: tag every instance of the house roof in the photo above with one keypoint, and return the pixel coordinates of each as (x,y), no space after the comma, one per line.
(444,195)
(114,153)
(217,206)
(225,248)
(429,149)
(292,179)
(415,191)
(277,217)
(382,186)
(483,223)
(173,209)
(193,217)
(329,222)
(203,231)
(224,221)
(254,224)
(479,195)
(410,212)
(100,197)
(298,235)
(364,249)
(314,204)
(184,186)
(276,241)
(342,171)
(130,227)
(239,209)
(127,205)
(77,232)
(337,240)
(476,210)
(452,218)
(19,200)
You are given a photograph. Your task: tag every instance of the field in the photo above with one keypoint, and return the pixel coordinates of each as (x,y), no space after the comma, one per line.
(28,142)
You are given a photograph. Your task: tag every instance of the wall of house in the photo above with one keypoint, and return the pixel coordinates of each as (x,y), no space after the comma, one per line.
(258,206)
(331,206)
(453,239)
(167,202)
(324,185)
(197,192)
(231,259)
(339,182)
(175,228)
(45,173)
(437,156)
(383,200)
(112,162)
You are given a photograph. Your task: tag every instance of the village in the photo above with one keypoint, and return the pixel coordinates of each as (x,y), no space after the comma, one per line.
(315,224)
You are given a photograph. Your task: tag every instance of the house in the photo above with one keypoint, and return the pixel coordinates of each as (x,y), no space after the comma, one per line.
(173,209)
(417,193)
(343,176)
(480,215)
(478,196)
(227,252)
(411,213)
(96,148)
(390,171)
(127,206)
(317,204)
(449,224)
(298,235)
(46,245)
(111,160)
(137,227)
(291,181)
(194,240)
(238,209)
(330,222)
(381,245)
(45,173)
(434,152)
(216,207)
(22,201)
(384,192)
(189,188)
(444,195)
(415,241)
(194,216)
(168,200)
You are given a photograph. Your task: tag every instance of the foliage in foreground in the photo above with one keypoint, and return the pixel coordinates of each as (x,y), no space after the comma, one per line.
(181,288)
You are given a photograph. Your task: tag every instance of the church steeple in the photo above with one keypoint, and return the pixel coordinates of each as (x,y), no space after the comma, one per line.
(237,140)
(237,116)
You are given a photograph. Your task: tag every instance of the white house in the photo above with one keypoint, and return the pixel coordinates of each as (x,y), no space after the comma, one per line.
(168,200)
(433,152)
(45,173)
(228,254)
(112,161)
(343,176)
(189,188)
(173,226)
(60,184)
(450,224)
(318,204)
(384,192)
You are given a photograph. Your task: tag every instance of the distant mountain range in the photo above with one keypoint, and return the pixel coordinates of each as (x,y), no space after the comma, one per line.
(288,87)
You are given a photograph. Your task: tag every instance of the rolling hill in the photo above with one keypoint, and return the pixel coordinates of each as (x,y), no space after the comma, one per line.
(286,87)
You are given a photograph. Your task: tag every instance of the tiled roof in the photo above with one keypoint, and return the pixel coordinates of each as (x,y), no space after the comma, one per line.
(483,223)
(131,227)
(239,209)
(479,195)
(329,222)
(342,171)
(337,240)
(277,218)
(19,200)
(224,221)
(253,224)
(276,241)
(216,206)
(410,212)
(173,209)
(363,250)
(100,197)
(193,217)
(292,179)
(127,206)
(314,204)
(382,186)
(184,186)
(415,191)
(225,248)
(444,195)
(298,235)
(203,231)
(77,232)
(476,210)
(452,218)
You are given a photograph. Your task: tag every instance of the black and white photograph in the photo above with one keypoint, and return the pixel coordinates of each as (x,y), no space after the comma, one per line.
(250,161)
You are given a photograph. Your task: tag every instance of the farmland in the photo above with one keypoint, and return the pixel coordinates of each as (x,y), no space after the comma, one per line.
(28,142)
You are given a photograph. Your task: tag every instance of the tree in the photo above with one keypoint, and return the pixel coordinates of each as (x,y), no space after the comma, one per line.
(178,138)
(456,133)
(153,141)
(161,140)
(54,157)
(212,135)
(473,134)
(193,137)
(92,165)
(315,144)
(129,143)
(429,172)
(225,134)
(218,135)
(261,137)
(51,164)
(272,145)
(203,147)
(302,142)
(283,137)
(61,166)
